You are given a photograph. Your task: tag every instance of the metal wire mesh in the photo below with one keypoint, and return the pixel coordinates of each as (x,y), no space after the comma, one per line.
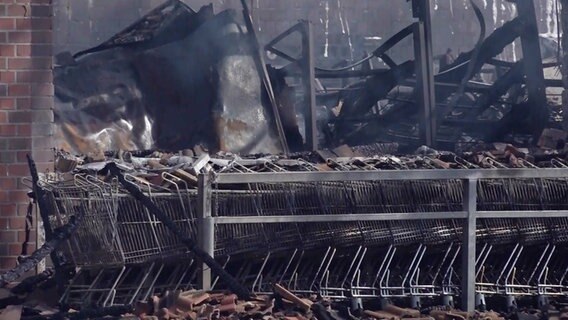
(329,198)
(119,230)
(116,228)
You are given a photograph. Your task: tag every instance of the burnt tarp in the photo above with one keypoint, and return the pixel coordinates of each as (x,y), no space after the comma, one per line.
(175,79)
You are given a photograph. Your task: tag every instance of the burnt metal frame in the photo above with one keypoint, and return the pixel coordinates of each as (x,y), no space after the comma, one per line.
(425,82)
(307,74)
(469,214)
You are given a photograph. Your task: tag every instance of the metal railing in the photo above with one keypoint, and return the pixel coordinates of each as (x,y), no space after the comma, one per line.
(209,218)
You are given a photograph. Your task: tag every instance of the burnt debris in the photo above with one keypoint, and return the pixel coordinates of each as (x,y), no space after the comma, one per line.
(133,233)
(180,78)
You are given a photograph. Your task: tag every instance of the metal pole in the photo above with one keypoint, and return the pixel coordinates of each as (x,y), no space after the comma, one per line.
(429,69)
(469,251)
(425,93)
(532,61)
(206,229)
(308,79)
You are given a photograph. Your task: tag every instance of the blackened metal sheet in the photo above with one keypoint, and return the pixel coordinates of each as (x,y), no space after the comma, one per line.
(201,89)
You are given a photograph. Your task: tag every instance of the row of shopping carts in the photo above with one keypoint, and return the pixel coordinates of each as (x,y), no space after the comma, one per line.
(363,258)
(118,229)
(416,271)
(406,271)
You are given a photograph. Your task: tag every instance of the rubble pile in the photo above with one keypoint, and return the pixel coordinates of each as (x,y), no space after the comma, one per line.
(281,304)
(193,305)
(196,81)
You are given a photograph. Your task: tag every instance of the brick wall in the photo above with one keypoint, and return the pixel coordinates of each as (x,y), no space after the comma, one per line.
(26,101)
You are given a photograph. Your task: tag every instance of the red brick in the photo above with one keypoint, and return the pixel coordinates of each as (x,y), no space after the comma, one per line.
(18,170)
(7,210)
(7,23)
(17,10)
(3,117)
(8,130)
(22,236)
(33,23)
(23,103)
(21,156)
(8,236)
(17,223)
(19,90)
(7,76)
(24,130)
(19,144)
(34,76)
(23,207)
(8,50)
(20,117)
(7,262)
(7,104)
(42,102)
(7,157)
(15,249)
(3,37)
(29,64)
(19,37)
(36,50)
(24,50)
(18,196)
(4,224)
(43,89)
(8,183)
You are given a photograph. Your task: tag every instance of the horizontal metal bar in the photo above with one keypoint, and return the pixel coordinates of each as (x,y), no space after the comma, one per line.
(522,214)
(342,217)
(389,217)
(431,174)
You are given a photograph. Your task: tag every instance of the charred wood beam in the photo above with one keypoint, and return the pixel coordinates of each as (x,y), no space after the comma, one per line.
(232,283)
(59,236)
(40,196)
(29,284)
